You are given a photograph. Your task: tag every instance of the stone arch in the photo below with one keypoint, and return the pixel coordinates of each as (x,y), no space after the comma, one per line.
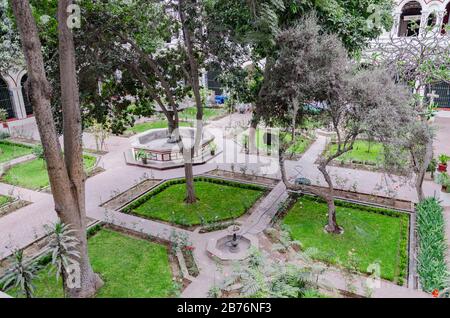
(6,96)
(26,99)
(410,18)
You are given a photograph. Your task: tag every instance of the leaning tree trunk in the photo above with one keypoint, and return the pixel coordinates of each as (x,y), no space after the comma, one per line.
(332,226)
(66,173)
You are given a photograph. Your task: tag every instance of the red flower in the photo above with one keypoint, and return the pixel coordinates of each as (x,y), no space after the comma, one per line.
(435,293)
(189,248)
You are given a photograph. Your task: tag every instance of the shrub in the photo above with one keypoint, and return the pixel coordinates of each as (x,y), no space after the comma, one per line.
(432,267)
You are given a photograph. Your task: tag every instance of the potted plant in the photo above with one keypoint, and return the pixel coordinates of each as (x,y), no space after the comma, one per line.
(213,149)
(444,180)
(142,155)
(432,167)
(443,159)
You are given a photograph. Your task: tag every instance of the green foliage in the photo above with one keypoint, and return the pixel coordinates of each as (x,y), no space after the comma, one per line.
(219,200)
(33,174)
(10,150)
(63,248)
(443,159)
(261,277)
(431,259)
(38,151)
(377,235)
(363,152)
(130,267)
(20,276)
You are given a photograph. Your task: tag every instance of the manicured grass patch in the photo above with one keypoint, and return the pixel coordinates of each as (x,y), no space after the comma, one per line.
(218,200)
(10,151)
(363,153)
(208,113)
(432,266)
(4,200)
(300,145)
(376,235)
(33,174)
(129,267)
(141,127)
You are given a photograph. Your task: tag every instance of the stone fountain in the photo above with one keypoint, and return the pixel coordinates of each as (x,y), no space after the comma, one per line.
(233,245)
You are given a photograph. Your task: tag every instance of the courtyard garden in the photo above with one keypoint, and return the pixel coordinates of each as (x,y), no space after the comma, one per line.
(369,153)
(217,200)
(10,151)
(129,266)
(33,174)
(371,235)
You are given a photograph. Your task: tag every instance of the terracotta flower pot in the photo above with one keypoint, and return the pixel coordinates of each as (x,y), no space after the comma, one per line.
(442,167)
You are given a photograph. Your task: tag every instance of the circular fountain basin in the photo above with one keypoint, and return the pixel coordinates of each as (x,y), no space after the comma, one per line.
(221,248)
(155,143)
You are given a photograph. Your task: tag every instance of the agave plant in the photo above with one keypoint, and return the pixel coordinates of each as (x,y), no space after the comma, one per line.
(20,276)
(62,246)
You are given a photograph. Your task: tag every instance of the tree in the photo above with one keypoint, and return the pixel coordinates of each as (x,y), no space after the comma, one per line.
(66,174)
(162,46)
(20,275)
(257,25)
(62,246)
(314,66)
(10,50)
(417,61)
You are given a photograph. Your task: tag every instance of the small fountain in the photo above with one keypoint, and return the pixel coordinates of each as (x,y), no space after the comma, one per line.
(231,246)
(234,244)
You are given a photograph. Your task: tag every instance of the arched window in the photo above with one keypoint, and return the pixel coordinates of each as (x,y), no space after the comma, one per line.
(26,100)
(432,19)
(5,99)
(445,21)
(410,19)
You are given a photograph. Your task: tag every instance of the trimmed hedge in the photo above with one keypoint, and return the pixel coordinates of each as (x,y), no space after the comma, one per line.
(137,203)
(432,267)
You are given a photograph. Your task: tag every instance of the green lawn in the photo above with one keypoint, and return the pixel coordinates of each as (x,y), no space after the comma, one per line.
(140,128)
(129,267)
(9,151)
(208,113)
(373,236)
(4,200)
(33,174)
(216,202)
(361,153)
(299,147)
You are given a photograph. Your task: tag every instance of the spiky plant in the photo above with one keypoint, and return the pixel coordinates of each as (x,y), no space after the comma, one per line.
(62,246)
(20,276)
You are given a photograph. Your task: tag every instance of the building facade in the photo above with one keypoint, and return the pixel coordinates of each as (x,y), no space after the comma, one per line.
(14,99)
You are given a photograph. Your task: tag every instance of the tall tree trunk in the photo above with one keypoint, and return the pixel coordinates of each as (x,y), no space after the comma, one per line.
(422,170)
(66,173)
(332,226)
(195,83)
(252,133)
